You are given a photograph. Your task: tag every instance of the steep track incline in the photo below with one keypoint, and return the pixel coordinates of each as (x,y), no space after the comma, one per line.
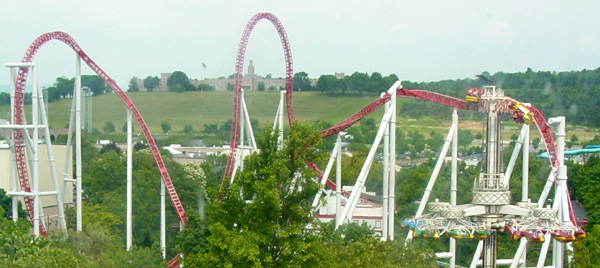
(19,118)
(237,88)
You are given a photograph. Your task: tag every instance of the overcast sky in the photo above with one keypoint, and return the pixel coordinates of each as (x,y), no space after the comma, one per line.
(417,40)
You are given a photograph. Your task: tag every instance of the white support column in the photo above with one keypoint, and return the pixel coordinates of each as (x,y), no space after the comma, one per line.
(453,181)
(338,182)
(280,117)
(35,160)
(332,158)
(68,157)
(392,188)
(386,177)
(515,154)
(241,145)
(163,225)
(360,181)
(525,186)
(15,200)
(547,238)
(477,254)
(546,191)
(129,227)
(520,255)
(544,251)
(558,253)
(433,178)
(77,96)
(59,200)
(246,115)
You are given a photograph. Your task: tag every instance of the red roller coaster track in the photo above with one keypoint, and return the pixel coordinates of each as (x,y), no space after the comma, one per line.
(442,99)
(538,118)
(237,88)
(20,119)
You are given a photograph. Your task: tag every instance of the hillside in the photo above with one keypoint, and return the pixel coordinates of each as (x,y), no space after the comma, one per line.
(199,108)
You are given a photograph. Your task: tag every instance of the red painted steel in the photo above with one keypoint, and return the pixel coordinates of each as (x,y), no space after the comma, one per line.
(457,103)
(19,118)
(550,144)
(237,88)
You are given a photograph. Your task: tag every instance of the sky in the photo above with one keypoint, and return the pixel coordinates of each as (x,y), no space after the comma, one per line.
(416,40)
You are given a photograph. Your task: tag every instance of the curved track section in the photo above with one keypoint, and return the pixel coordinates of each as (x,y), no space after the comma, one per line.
(457,103)
(237,88)
(401,92)
(19,118)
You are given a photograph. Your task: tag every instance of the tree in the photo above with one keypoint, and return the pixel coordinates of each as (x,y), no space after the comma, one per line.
(6,205)
(139,146)
(211,128)
(262,219)
(95,83)
(205,87)
(574,138)
(327,83)
(261,86)
(179,82)
(124,128)
(302,82)
(110,147)
(271,229)
(133,87)
(109,127)
(535,142)
(188,129)
(166,127)
(359,82)
(151,82)
(587,252)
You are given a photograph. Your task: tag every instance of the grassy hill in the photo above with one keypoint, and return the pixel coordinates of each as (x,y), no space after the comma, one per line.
(199,108)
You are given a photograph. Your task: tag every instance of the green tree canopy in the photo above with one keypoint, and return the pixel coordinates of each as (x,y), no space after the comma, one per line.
(179,82)
(151,82)
(166,127)
(302,82)
(133,87)
(109,127)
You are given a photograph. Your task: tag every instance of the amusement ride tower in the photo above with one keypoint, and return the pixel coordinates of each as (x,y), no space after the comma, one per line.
(490,211)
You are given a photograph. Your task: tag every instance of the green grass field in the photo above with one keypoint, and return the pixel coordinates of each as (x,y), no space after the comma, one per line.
(199,108)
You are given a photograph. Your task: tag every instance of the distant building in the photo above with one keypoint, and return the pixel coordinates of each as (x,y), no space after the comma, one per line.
(250,82)
(50,210)
(369,209)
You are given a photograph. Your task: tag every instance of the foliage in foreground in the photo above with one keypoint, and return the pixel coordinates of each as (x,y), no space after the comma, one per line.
(93,247)
(264,218)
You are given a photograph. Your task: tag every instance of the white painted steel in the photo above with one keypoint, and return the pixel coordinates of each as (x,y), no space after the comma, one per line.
(355,195)
(129,227)
(59,200)
(392,179)
(338,181)
(34,161)
(515,154)
(477,255)
(163,221)
(386,177)
(453,181)
(77,96)
(332,157)
(432,179)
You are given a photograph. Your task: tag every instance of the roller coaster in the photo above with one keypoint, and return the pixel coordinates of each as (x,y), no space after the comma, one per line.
(475,101)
